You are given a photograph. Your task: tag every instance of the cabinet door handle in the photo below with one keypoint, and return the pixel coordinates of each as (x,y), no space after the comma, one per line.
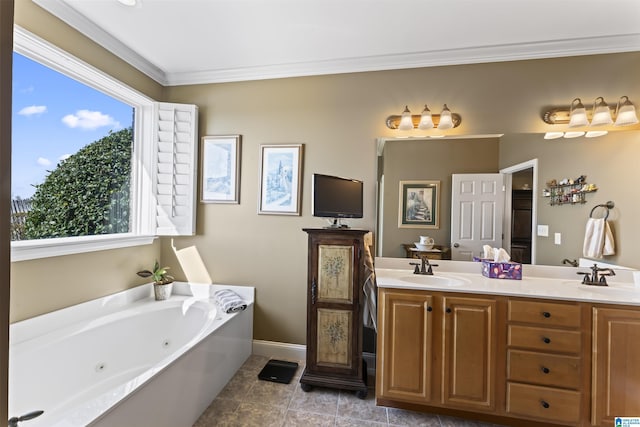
(448,310)
(314,291)
(545,370)
(429,308)
(546,340)
(544,404)
(546,314)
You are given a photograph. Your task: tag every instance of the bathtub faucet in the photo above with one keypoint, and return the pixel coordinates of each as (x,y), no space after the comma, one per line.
(13,421)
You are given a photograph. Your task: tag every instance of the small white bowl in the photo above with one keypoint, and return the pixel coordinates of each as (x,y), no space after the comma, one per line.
(423,247)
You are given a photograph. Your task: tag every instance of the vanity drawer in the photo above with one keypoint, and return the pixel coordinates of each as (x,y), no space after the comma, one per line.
(558,406)
(544,369)
(553,340)
(545,313)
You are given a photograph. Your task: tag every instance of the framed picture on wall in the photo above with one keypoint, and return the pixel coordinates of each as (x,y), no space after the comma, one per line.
(419,204)
(220,169)
(280,179)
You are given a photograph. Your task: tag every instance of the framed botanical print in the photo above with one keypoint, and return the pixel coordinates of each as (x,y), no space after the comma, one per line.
(221,169)
(419,204)
(280,179)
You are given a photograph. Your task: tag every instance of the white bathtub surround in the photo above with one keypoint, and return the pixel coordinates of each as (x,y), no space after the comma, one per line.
(127,359)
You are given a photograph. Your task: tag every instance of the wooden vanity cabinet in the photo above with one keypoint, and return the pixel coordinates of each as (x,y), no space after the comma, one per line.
(616,364)
(334,310)
(437,350)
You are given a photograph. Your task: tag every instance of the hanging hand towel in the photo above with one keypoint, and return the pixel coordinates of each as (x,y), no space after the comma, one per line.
(370,289)
(229,301)
(598,239)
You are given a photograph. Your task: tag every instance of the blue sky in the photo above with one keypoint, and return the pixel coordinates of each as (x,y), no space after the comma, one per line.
(54,116)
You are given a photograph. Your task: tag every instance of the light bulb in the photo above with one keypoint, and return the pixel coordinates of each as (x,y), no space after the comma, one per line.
(426,121)
(446,121)
(406,123)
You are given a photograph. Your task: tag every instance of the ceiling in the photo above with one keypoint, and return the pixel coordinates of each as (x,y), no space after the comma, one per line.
(179,42)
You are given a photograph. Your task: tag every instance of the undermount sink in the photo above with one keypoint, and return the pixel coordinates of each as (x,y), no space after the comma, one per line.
(422,279)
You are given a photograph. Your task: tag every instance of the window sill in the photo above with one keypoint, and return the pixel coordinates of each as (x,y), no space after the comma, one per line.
(34,249)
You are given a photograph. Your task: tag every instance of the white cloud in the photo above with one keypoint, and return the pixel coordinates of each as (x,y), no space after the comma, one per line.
(85,119)
(33,110)
(43,161)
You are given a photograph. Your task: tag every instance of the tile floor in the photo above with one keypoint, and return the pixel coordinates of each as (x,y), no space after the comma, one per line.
(248,401)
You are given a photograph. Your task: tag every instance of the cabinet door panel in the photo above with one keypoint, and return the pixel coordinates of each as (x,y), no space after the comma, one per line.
(469,352)
(404,359)
(616,367)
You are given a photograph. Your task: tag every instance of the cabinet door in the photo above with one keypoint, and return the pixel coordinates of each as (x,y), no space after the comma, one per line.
(404,346)
(616,370)
(334,310)
(469,352)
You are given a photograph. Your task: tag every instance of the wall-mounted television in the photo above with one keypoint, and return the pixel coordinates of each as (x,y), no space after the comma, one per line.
(335,197)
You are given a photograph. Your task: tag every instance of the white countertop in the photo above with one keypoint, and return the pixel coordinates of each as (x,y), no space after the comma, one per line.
(559,283)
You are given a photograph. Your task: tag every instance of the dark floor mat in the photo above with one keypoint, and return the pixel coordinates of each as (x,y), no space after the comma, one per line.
(278,371)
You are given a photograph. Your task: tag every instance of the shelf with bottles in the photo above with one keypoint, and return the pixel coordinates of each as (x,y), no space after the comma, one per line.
(568,191)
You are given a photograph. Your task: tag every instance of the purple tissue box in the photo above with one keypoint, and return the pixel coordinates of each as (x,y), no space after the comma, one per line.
(500,270)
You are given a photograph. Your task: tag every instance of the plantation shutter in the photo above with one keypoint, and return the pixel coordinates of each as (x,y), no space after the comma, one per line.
(176,138)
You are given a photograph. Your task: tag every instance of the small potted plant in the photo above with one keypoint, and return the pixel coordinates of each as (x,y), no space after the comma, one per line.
(162,282)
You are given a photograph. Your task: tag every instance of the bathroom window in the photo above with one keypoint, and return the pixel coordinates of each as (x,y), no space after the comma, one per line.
(95,164)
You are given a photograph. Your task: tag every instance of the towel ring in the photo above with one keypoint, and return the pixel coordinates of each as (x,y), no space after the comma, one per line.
(608,205)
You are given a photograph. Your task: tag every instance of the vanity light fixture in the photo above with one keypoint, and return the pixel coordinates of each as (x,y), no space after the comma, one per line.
(575,134)
(625,113)
(577,115)
(406,121)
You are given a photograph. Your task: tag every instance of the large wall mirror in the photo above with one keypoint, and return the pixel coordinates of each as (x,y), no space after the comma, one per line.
(609,162)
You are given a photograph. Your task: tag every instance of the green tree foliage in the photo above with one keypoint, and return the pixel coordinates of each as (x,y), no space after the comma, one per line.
(86,194)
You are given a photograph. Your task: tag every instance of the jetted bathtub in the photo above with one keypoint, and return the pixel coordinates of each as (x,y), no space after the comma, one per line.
(128,360)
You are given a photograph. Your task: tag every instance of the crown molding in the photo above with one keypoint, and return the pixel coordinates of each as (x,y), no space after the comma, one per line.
(431,58)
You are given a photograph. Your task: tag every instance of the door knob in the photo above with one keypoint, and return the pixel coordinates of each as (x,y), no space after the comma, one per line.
(456,245)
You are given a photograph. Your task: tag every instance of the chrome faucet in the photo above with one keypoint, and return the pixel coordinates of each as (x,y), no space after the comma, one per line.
(426,268)
(593,278)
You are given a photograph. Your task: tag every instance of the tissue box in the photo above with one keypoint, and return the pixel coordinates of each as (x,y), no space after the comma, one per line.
(500,270)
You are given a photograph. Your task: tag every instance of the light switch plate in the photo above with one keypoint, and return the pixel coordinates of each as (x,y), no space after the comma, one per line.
(557,238)
(543,230)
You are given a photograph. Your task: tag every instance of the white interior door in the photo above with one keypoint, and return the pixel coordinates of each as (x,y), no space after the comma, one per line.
(477,209)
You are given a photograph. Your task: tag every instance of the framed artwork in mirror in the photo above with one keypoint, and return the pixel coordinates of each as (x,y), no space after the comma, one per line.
(419,204)
(221,169)
(280,179)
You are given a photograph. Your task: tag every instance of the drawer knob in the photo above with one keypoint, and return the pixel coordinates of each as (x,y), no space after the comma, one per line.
(545,370)
(448,310)
(546,314)
(544,404)
(429,308)
(546,340)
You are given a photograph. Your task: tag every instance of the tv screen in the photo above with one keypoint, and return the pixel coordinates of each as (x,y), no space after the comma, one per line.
(335,197)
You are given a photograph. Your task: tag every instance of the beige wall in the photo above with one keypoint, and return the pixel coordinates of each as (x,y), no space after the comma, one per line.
(338,118)
(429,160)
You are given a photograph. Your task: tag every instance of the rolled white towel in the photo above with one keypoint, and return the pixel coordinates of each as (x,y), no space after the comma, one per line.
(229,301)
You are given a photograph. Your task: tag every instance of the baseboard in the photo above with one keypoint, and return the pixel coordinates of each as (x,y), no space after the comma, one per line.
(280,350)
(286,351)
